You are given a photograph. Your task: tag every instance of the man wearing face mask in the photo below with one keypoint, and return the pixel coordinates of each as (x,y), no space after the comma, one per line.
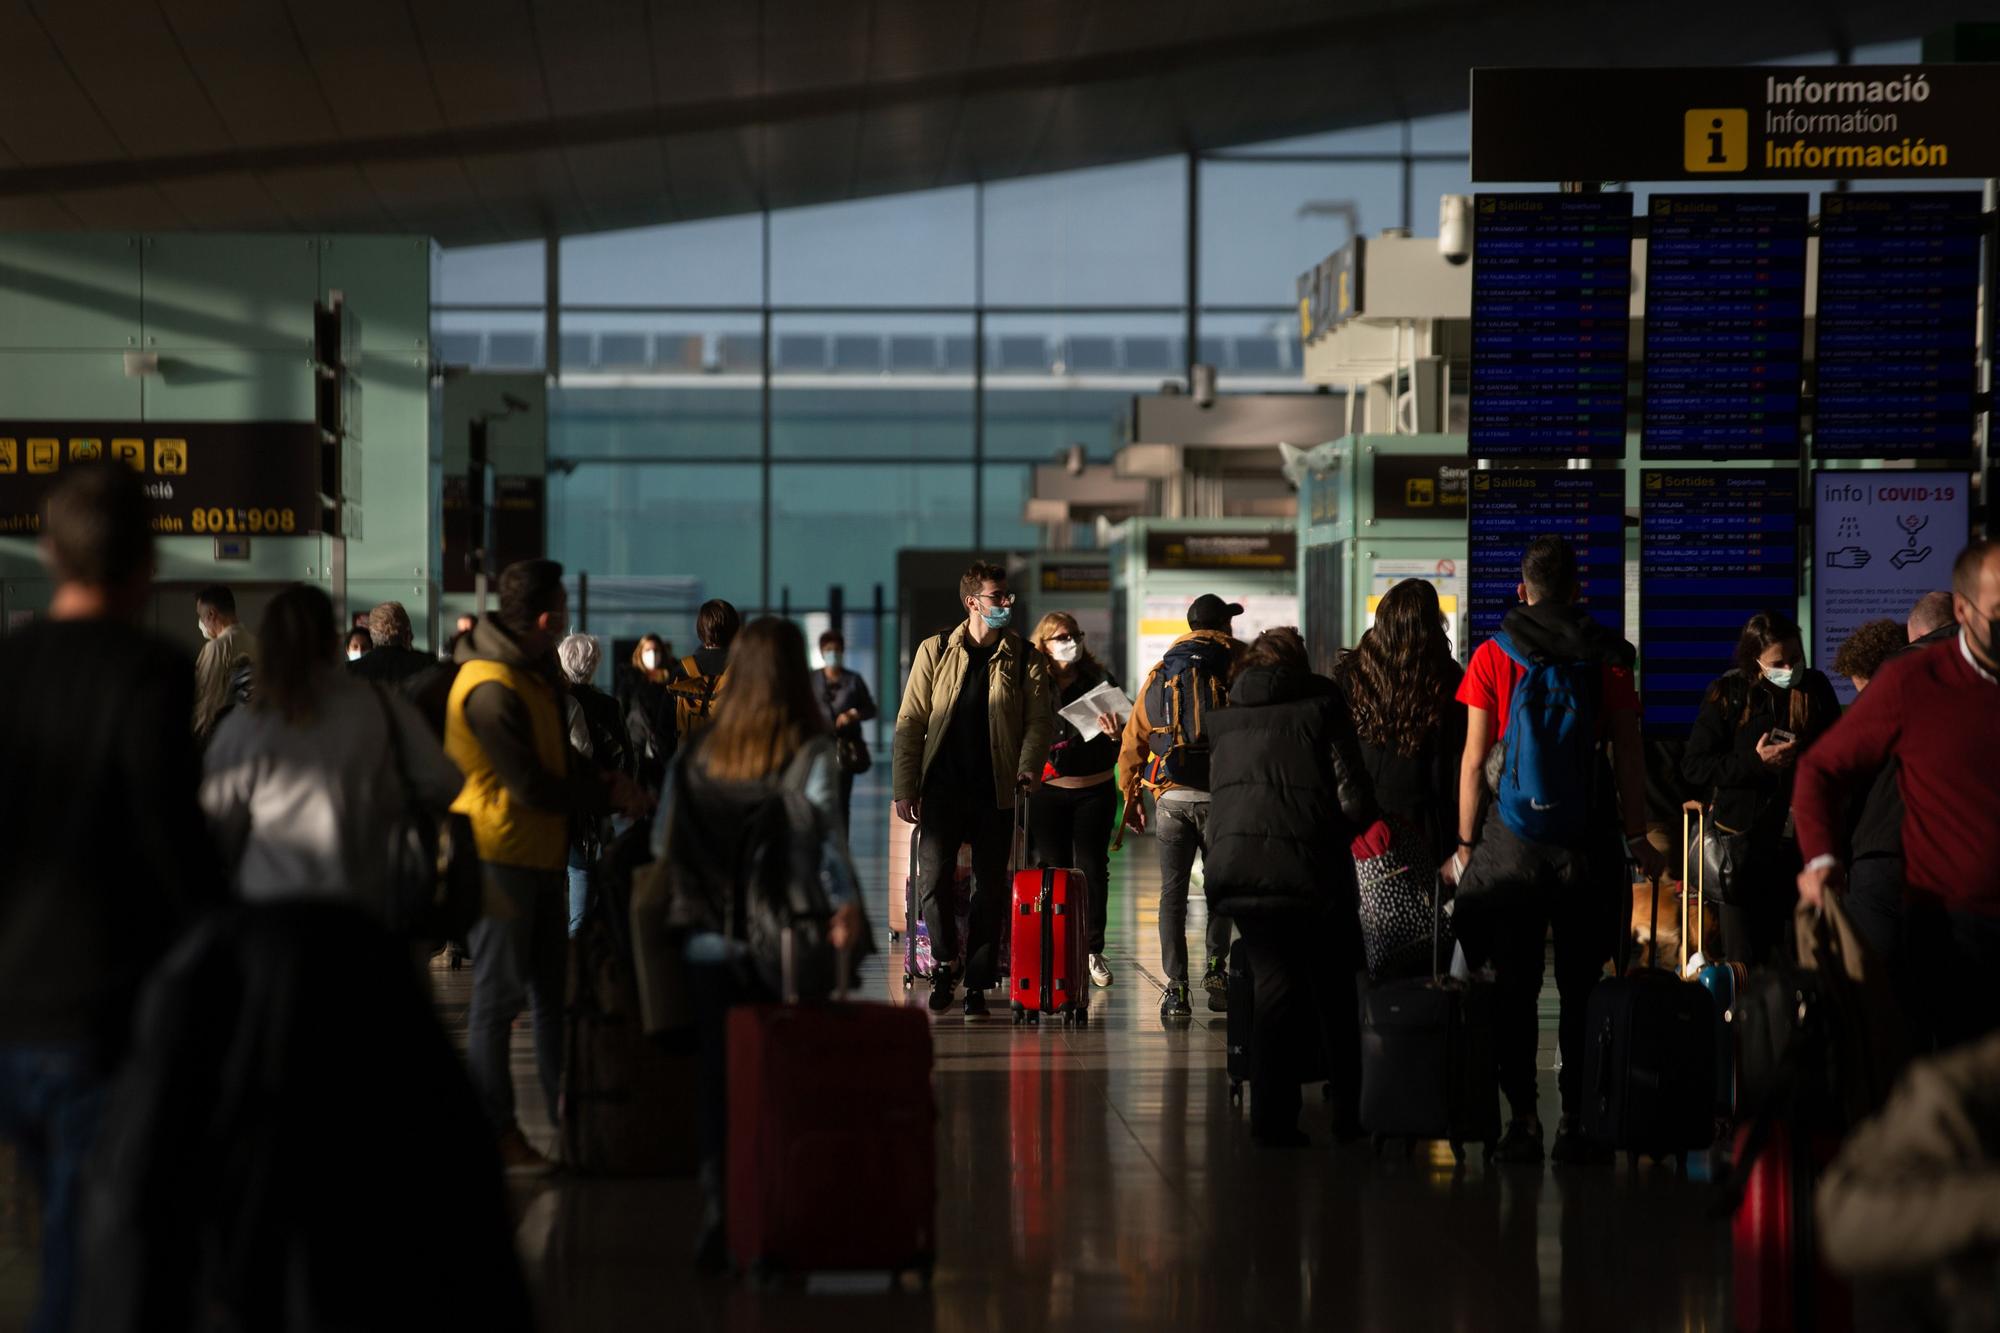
(971,737)
(1937,712)
(224,674)
(1754,724)
(844,698)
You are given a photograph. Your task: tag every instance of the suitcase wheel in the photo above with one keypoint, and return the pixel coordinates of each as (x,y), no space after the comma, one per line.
(1017,1015)
(894,935)
(906,981)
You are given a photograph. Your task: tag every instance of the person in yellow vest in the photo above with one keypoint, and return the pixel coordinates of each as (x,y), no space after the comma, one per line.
(504,729)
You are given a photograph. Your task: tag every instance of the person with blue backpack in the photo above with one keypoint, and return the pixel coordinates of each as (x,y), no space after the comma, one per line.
(1542,697)
(1165,751)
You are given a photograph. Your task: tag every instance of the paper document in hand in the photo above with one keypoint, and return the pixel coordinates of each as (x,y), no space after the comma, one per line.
(1106,698)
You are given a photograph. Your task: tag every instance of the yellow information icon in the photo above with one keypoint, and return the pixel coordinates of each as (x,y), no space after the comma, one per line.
(44,455)
(1715,139)
(85,451)
(132,453)
(170,457)
(10,455)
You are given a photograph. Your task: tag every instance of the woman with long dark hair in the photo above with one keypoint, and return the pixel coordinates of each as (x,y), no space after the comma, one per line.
(1755,722)
(769,741)
(1401,683)
(1072,814)
(649,710)
(302,786)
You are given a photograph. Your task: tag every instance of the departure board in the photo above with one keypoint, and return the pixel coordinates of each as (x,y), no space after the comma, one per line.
(1715,548)
(1725,326)
(1898,324)
(1511,508)
(1551,305)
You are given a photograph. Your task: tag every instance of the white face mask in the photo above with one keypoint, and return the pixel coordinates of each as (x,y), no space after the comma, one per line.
(830,660)
(650,659)
(354,654)
(202,625)
(1066,652)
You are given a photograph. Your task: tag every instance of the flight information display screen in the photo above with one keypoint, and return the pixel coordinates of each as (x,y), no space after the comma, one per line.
(1551,306)
(1715,548)
(1725,326)
(1897,325)
(1510,509)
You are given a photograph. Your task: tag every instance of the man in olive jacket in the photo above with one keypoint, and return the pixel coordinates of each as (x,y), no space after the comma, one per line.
(972,732)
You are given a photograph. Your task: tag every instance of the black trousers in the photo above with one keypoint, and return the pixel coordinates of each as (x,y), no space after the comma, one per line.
(1754,927)
(1513,894)
(1307,1016)
(1070,828)
(847,806)
(950,819)
(1953,959)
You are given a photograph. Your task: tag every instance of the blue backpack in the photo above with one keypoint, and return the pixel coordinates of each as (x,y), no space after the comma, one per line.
(1548,756)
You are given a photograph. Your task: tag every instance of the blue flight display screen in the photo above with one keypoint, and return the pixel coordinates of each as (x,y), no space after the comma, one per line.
(1509,509)
(1551,309)
(1898,325)
(1725,326)
(1715,548)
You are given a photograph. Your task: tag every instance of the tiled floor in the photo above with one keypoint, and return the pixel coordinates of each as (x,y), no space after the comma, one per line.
(1100,1179)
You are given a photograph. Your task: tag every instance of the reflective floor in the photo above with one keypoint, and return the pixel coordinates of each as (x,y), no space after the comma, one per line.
(1101,1179)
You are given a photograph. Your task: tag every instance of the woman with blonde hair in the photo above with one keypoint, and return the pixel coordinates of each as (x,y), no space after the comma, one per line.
(744,801)
(1072,814)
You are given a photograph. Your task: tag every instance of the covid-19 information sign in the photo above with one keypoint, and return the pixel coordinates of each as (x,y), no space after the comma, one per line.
(1882,540)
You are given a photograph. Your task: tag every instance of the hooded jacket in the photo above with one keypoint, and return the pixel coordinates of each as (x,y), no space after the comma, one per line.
(1289,793)
(1215,651)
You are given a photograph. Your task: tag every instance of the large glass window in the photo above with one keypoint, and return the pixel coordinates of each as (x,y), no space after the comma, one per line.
(1106,236)
(490,339)
(844,524)
(719,261)
(1264,223)
(508,274)
(695,420)
(657,519)
(909,249)
(875,386)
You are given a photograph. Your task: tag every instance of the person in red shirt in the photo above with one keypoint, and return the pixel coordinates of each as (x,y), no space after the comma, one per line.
(1513,890)
(1936,712)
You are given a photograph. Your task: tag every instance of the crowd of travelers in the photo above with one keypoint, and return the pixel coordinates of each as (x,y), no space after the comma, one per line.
(169,822)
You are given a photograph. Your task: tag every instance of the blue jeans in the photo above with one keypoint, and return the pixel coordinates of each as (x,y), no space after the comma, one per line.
(518,959)
(579,895)
(51,1101)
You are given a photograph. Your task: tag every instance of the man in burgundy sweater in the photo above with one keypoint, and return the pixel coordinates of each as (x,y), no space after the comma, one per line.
(1938,712)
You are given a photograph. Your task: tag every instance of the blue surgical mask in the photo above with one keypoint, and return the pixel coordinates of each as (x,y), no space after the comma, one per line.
(998,617)
(830,660)
(1781,679)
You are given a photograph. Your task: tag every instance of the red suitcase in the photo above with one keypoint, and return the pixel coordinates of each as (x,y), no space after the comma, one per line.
(1050,973)
(825,1099)
(1781,1283)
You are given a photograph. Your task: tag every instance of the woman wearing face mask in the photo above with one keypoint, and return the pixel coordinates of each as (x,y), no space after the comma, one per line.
(844,698)
(358,644)
(646,705)
(1754,724)
(1072,814)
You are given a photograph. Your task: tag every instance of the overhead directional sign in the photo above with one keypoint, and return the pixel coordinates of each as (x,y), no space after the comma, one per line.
(1790,122)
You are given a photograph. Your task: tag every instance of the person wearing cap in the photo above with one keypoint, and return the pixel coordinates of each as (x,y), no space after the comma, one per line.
(1165,752)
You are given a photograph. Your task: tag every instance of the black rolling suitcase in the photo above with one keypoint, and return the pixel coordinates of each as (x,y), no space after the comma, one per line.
(1241,1021)
(1427,1058)
(1649,1068)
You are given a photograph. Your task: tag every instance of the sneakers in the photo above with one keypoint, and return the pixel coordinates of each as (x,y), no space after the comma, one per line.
(518,1156)
(1100,971)
(1521,1144)
(944,988)
(1216,982)
(1575,1148)
(975,1004)
(1174,1004)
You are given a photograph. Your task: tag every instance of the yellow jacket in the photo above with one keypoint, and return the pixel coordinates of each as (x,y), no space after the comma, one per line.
(1019,729)
(508,832)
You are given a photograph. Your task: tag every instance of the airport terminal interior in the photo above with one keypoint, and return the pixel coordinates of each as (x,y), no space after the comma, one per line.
(1110,333)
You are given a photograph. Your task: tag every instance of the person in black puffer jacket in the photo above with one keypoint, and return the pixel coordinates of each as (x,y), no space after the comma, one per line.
(1289,793)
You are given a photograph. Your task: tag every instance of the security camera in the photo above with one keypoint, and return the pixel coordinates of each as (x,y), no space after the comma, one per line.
(1201,384)
(1455,228)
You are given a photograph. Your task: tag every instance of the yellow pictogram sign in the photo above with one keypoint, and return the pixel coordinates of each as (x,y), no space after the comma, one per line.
(132,453)
(1716,139)
(44,455)
(85,451)
(170,457)
(10,456)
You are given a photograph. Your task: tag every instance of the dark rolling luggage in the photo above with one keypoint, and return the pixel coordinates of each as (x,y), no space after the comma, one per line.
(1649,1067)
(1051,975)
(1427,1067)
(826,1100)
(1241,1021)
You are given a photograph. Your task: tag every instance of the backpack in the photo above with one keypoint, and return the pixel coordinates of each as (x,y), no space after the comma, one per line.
(694,698)
(1177,703)
(778,887)
(1549,752)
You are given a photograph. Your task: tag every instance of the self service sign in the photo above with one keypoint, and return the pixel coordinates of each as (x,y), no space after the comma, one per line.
(1888,122)
(1881,541)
